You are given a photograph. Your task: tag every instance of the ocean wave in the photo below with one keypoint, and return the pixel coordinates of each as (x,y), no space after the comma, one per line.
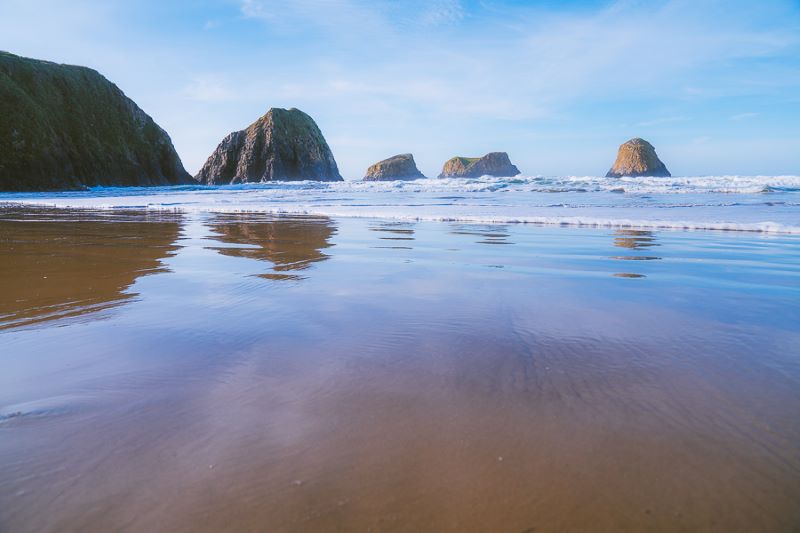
(584,216)
(728,184)
(705,203)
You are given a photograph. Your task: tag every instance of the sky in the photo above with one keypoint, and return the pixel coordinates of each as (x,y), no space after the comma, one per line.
(713,85)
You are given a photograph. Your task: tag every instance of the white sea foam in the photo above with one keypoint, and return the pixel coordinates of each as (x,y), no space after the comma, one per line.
(738,203)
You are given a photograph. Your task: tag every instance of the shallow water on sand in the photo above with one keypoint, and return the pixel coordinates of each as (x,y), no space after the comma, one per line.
(202,371)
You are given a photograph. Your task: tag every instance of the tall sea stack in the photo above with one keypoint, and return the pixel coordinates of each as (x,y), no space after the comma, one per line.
(637,157)
(283,145)
(492,164)
(68,127)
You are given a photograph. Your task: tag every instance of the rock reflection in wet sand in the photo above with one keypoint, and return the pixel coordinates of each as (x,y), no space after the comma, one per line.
(59,264)
(382,396)
(634,240)
(394,231)
(290,244)
(489,233)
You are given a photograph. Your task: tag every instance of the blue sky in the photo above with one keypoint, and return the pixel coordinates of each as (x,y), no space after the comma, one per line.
(714,85)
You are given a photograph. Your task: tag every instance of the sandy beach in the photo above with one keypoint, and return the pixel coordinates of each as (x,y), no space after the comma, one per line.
(252,372)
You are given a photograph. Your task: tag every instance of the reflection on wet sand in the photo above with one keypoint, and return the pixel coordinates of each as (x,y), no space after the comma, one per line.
(634,240)
(374,397)
(66,263)
(489,233)
(291,244)
(395,231)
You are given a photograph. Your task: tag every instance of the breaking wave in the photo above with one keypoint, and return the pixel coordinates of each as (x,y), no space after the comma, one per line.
(735,203)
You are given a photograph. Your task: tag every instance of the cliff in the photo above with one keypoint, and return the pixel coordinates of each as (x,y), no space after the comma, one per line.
(637,157)
(282,145)
(492,164)
(68,127)
(399,167)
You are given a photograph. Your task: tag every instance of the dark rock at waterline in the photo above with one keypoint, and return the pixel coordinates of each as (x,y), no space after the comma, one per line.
(399,167)
(68,127)
(492,164)
(637,157)
(282,145)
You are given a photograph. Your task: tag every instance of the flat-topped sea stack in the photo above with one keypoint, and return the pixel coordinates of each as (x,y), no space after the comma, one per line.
(283,145)
(68,127)
(637,157)
(492,164)
(399,167)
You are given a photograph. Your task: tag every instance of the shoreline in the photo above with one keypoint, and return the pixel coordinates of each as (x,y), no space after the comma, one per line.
(764,227)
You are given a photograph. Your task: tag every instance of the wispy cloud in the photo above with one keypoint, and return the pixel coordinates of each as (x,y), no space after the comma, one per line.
(441,12)
(440,76)
(744,116)
(208,88)
(664,120)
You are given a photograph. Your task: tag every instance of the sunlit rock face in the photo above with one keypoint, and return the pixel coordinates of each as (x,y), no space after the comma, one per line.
(282,145)
(637,157)
(399,167)
(68,127)
(492,164)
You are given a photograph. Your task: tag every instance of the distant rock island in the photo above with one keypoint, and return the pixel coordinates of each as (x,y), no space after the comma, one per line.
(637,157)
(492,164)
(398,167)
(284,144)
(68,127)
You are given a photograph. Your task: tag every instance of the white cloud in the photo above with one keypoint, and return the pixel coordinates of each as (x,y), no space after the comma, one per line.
(433,77)
(208,88)
(664,120)
(441,12)
(744,116)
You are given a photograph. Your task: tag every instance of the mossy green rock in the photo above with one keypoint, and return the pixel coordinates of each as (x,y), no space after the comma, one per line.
(492,164)
(637,157)
(398,167)
(68,127)
(282,145)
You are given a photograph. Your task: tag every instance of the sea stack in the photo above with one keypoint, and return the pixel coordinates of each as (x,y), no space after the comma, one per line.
(637,157)
(492,164)
(283,145)
(399,167)
(68,127)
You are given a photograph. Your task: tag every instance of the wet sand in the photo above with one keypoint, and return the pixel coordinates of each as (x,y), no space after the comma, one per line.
(206,372)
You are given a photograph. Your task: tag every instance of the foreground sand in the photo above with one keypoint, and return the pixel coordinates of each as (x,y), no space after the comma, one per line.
(252,373)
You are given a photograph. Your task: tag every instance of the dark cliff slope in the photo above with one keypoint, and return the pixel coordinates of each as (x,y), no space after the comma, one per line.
(66,127)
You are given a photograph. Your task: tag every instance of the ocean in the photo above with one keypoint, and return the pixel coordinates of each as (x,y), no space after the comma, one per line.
(756,203)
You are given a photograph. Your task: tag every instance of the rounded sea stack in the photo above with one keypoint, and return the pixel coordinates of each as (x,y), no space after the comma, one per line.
(282,145)
(398,167)
(637,157)
(492,164)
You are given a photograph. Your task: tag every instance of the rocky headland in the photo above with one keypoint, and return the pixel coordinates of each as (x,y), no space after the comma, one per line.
(282,145)
(492,164)
(68,127)
(399,167)
(637,157)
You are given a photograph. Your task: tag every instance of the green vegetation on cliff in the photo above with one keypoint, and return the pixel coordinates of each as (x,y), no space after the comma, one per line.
(67,127)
